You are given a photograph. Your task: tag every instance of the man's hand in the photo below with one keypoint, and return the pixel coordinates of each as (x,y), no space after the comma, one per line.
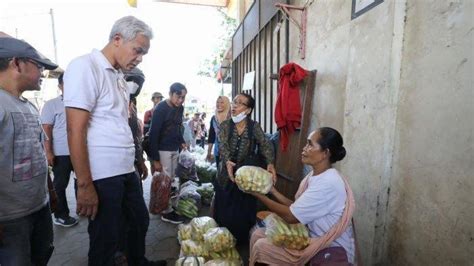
(230,170)
(209,157)
(142,170)
(271,169)
(50,157)
(184,146)
(158,166)
(87,201)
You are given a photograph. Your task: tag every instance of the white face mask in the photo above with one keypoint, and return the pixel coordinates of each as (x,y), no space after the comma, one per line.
(132,87)
(238,118)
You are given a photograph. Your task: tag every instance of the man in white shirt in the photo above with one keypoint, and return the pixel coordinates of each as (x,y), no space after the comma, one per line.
(53,120)
(101,144)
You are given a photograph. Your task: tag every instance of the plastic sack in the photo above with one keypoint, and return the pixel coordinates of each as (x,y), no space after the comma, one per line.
(190,192)
(253,179)
(200,225)
(193,248)
(206,191)
(223,262)
(186,159)
(219,239)
(184,232)
(228,254)
(187,173)
(160,191)
(292,236)
(190,261)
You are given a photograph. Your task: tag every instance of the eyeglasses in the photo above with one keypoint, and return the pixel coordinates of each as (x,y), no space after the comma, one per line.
(40,67)
(236,103)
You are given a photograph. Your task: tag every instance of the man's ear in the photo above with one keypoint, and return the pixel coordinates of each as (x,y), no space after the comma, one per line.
(117,39)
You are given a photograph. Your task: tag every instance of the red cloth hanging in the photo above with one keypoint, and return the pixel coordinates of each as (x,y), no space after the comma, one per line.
(288,107)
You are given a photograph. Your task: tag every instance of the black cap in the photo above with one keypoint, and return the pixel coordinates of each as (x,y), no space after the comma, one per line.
(11,47)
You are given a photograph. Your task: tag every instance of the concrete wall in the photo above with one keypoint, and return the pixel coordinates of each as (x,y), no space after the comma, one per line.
(397,82)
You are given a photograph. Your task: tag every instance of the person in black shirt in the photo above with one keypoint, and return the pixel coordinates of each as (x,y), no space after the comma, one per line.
(166,138)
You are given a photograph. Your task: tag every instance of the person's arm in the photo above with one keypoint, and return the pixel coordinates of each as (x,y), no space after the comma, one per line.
(211,139)
(48,143)
(224,149)
(181,128)
(157,122)
(265,149)
(47,122)
(81,91)
(77,124)
(281,209)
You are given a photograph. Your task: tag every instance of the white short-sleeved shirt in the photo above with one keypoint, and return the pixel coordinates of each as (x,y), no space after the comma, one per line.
(53,113)
(92,84)
(321,206)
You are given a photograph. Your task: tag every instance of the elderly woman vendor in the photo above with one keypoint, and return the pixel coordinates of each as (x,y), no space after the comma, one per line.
(324,203)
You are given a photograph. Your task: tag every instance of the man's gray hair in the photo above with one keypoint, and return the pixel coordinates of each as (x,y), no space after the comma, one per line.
(128,27)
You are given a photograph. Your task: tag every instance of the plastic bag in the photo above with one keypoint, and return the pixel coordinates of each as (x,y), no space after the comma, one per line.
(292,236)
(200,225)
(160,190)
(228,254)
(219,239)
(187,173)
(184,232)
(223,262)
(206,191)
(186,159)
(190,192)
(253,179)
(193,248)
(190,261)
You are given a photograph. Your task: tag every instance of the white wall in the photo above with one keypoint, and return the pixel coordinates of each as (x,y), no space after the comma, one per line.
(397,83)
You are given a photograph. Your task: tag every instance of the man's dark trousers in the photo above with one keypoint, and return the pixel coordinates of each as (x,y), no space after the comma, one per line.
(120,200)
(62,169)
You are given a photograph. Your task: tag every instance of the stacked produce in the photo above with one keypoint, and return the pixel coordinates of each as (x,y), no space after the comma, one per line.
(253,179)
(292,236)
(193,248)
(187,207)
(190,261)
(200,225)
(223,262)
(205,170)
(218,239)
(206,191)
(184,232)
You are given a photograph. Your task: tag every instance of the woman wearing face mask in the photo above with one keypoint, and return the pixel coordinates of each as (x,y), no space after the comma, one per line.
(239,137)
(324,203)
(222,114)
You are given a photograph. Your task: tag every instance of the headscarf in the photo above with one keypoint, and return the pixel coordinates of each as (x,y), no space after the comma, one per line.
(225,114)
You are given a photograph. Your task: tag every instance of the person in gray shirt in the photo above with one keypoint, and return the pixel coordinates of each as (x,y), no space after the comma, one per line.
(26,233)
(53,120)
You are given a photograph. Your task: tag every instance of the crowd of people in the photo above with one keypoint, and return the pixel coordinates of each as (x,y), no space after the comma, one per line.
(93,130)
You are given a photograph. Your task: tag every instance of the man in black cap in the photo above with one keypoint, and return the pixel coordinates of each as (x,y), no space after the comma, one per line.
(26,234)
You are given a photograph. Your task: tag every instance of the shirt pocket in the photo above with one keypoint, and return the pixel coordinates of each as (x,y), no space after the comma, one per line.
(29,160)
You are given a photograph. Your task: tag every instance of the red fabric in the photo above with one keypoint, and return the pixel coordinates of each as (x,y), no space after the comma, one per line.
(288,107)
(147,117)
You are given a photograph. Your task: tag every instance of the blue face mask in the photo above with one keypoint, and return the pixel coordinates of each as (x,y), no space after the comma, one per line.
(238,118)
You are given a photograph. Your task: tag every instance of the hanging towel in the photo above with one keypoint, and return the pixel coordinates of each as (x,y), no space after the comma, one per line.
(288,107)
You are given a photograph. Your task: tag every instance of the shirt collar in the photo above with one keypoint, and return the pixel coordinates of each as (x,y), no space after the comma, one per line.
(103,62)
